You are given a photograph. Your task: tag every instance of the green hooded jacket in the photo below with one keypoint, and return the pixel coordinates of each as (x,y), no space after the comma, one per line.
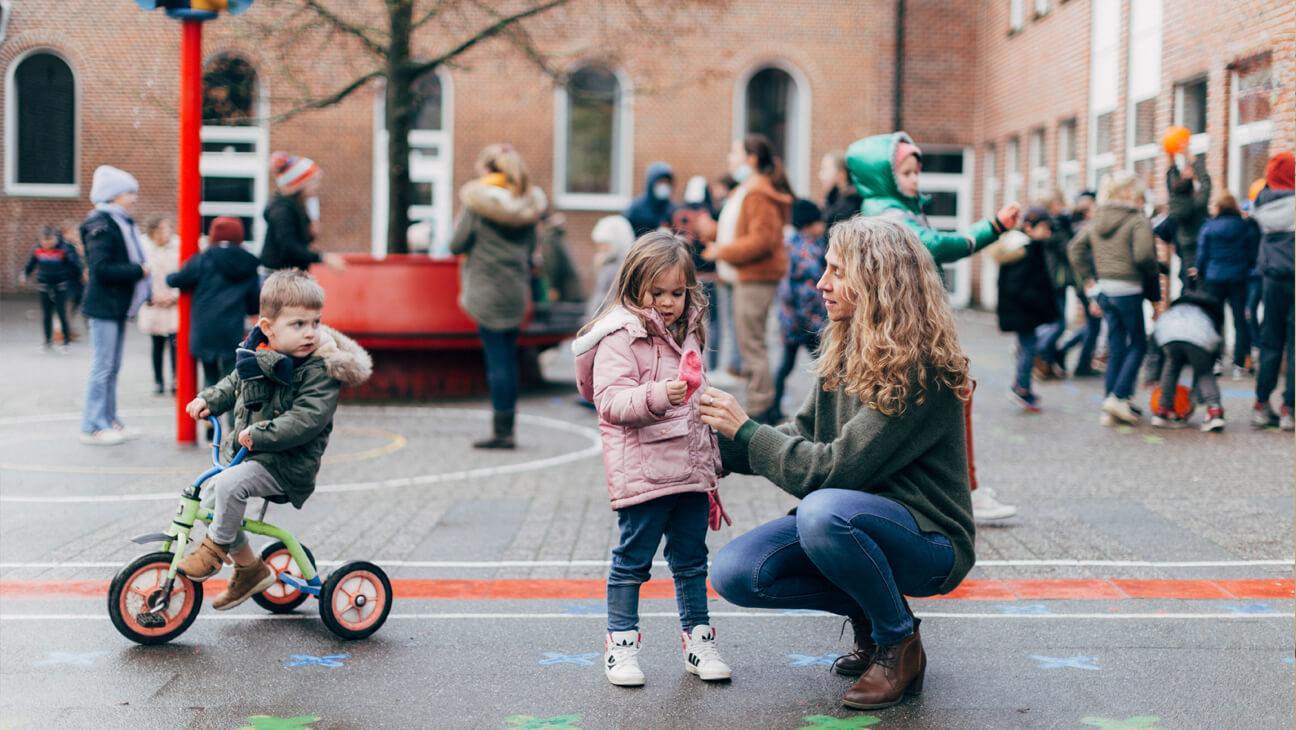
(870,163)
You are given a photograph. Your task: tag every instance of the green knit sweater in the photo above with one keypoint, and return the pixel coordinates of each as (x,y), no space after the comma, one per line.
(918,459)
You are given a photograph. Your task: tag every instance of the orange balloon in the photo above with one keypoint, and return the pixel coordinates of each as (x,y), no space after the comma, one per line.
(1183,405)
(1175,140)
(1256,186)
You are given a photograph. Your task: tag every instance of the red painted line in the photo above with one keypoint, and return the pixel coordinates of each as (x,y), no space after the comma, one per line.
(594,589)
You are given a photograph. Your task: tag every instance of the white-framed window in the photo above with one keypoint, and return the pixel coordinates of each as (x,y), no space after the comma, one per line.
(1068,168)
(431,163)
(235,158)
(947,180)
(1042,7)
(773,98)
(6,9)
(989,290)
(594,140)
(1141,135)
(1016,15)
(1255,86)
(1104,78)
(1038,179)
(1012,189)
(1190,112)
(42,146)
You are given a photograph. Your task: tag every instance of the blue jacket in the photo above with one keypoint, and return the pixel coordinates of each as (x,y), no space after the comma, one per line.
(1226,248)
(646,213)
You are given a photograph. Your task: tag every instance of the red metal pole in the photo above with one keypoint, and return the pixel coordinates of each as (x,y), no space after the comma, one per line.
(188,220)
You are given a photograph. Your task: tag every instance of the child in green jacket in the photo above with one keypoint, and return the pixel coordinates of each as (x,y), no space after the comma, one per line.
(283,392)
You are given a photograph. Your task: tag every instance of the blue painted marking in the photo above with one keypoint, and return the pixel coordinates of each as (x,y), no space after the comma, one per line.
(555,657)
(1071,662)
(1253,608)
(572,609)
(806,660)
(1289,659)
(1243,393)
(306,660)
(74,658)
(1032,609)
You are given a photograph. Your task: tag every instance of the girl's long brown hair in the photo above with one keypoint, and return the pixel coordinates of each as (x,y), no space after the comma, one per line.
(901,341)
(653,254)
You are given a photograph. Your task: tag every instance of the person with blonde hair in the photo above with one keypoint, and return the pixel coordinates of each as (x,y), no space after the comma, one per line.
(496,235)
(1113,257)
(878,457)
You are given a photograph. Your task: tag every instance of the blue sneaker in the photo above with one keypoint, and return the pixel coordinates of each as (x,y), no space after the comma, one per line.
(1028,401)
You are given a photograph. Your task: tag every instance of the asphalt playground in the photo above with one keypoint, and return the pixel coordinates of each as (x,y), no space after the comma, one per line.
(1146,583)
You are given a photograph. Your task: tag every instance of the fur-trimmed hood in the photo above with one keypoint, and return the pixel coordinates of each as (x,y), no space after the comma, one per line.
(499,205)
(344,360)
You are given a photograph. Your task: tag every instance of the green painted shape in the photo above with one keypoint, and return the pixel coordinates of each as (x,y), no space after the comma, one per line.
(527,722)
(827,722)
(1125,428)
(266,722)
(9,723)
(1140,721)
(1154,440)
(1017,439)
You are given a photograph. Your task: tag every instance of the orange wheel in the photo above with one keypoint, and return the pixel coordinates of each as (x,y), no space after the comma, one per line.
(281,597)
(355,600)
(134,589)
(1183,405)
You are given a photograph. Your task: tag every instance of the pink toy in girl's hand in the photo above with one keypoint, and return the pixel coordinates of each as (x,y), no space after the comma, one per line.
(690,371)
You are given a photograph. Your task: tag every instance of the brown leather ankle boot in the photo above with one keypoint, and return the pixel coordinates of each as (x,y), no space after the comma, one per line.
(854,663)
(897,670)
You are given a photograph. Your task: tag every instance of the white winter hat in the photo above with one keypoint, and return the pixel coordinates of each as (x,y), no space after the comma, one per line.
(616,233)
(109,182)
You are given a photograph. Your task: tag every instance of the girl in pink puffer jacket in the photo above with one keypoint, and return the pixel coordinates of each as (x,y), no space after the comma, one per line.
(662,462)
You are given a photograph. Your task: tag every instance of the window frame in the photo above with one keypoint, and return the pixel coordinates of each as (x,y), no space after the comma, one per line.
(1241,135)
(1147,43)
(1014,181)
(1037,178)
(1068,169)
(622,148)
(1102,46)
(1016,15)
(962,185)
(799,121)
(39,190)
(254,166)
(1199,142)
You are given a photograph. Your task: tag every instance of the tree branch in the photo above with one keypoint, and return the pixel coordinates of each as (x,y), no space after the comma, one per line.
(486,33)
(360,33)
(331,99)
(436,10)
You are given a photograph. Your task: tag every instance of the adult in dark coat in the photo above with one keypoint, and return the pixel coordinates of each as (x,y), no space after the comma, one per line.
(842,199)
(653,208)
(225,289)
(1277,218)
(292,217)
(1226,252)
(1189,207)
(1027,300)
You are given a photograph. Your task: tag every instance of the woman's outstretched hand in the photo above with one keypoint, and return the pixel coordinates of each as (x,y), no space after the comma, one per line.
(722,412)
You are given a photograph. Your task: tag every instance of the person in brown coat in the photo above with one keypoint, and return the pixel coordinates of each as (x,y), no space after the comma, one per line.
(749,236)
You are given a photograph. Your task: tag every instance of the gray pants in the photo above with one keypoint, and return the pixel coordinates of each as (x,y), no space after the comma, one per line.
(1178,354)
(227,495)
(752,301)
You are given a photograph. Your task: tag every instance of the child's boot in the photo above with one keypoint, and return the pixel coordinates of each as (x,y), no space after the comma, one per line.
(503,428)
(621,659)
(204,561)
(701,656)
(248,581)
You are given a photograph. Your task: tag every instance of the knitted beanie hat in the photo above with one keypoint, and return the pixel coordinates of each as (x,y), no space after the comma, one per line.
(109,182)
(292,172)
(1280,173)
(225,229)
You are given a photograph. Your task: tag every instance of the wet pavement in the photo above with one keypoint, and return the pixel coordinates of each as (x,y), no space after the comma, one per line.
(1147,581)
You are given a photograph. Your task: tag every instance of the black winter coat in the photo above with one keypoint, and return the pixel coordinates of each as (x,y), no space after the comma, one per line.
(1026,298)
(839,207)
(112,275)
(288,236)
(225,289)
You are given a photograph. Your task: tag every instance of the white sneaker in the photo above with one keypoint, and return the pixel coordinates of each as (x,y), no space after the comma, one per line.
(126,432)
(1120,409)
(621,659)
(701,656)
(985,508)
(103,437)
(1105,419)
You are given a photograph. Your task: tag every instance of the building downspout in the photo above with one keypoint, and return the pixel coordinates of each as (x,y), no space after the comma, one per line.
(899,66)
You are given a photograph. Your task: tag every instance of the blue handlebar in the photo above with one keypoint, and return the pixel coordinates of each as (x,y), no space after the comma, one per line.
(215,446)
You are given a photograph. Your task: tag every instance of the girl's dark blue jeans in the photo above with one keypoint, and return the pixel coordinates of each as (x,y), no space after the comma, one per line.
(499,348)
(845,552)
(682,520)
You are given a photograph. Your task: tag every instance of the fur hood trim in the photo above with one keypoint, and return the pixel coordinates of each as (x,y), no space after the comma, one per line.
(501,206)
(344,360)
(618,318)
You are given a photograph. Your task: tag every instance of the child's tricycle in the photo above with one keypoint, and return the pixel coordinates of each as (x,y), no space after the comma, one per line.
(151,602)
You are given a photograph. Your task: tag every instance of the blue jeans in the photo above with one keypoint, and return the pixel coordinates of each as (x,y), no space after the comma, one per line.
(844,552)
(499,348)
(1235,294)
(682,519)
(1255,288)
(1050,333)
(713,323)
(1026,342)
(107,338)
(1276,341)
(1086,337)
(1126,341)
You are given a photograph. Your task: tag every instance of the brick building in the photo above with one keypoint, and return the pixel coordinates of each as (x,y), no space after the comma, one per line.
(1001,95)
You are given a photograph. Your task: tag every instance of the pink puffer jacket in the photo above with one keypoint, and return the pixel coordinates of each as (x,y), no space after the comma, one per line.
(650,447)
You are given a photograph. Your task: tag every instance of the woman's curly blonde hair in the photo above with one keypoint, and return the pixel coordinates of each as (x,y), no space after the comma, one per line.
(901,340)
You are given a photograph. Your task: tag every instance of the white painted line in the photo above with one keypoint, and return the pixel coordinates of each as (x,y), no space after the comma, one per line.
(672,614)
(594,449)
(490,564)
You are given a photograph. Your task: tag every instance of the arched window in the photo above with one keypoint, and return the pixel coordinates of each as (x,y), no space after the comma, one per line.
(592,144)
(41,139)
(235,149)
(774,101)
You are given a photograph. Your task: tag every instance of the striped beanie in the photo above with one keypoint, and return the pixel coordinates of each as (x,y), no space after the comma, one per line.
(292,172)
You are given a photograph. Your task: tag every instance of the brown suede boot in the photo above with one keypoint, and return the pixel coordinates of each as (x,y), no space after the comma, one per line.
(248,581)
(204,561)
(897,670)
(854,663)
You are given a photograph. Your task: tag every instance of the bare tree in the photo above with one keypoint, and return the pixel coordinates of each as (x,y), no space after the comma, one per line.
(383,38)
